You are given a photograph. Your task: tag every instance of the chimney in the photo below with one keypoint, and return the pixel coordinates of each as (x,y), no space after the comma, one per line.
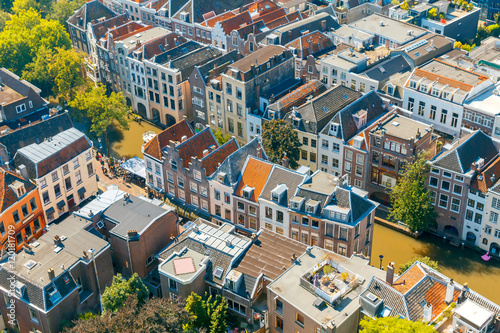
(184,138)
(418,133)
(389,275)
(293,258)
(52,274)
(57,240)
(473,166)
(259,152)
(450,288)
(284,161)
(132,233)
(129,28)
(427,313)
(323,25)
(205,152)
(85,255)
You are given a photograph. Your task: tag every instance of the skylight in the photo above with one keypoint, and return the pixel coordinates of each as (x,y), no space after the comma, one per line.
(218,272)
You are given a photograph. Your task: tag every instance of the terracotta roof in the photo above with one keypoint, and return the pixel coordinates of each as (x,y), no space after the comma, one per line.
(271,16)
(213,160)
(132,33)
(269,254)
(234,23)
(173,133)
(219,18)
(311,43)
(487,178)
(435,296)
(409,279)
(196,145)
(299,95)
(7,195)
(101,28)
(261,6)
(255,175)
(295,16)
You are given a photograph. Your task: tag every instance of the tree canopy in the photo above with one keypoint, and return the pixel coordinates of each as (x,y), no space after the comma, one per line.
(61,10)
(425,260)
(25,34)
(221,138)
(102,110)
(280,138)
(393,325)
(157,315)
(116,295)
(208,313)
(412,202)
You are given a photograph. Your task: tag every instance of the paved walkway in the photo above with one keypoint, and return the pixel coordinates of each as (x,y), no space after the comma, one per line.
(105,181)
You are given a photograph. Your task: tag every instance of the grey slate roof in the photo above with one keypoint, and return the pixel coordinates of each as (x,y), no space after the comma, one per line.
(37,132)
(386,69)
(92,10)
(132,214)
(233,164)
(187,62)
(207,68)
(392,298)
(320,110)
(280,175)
(292,31)
(466,151)
(371,102)
(176,52)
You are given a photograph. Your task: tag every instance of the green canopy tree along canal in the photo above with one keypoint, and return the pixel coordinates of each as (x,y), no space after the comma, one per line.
(463,265)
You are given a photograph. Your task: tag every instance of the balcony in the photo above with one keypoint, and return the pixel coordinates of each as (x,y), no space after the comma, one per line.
(330,281)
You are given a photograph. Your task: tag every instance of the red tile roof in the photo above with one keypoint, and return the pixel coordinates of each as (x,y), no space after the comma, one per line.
(101,28)
(234,23)
(295,16)
(212,161)
(311,43)
(195,146)
(409,278)
(299,95)
(255,175)
(219,18)
(132,32)
(173,133)
(271,16)
(487,178)
(126,30)
(435,296)
(7,195)
(260,6)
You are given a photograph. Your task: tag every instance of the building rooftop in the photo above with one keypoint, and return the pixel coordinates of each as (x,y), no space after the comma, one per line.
(437,68)
(9,182)
(197,146)
(90,11)
(258,58)
(174,133)
(213,160)
(427,47)
(133,213)
(473,313)
(288,286)
(402,127)
(282,176)
(184,266)
(255,175)
(487,102)
(143,35)
(101,202)
(297,97)
(389,28)
(346,31)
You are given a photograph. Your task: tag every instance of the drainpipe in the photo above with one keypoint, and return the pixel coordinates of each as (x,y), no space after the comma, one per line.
(96,277)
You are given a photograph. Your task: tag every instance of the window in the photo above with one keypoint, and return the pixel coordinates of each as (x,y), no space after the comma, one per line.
(313,143)
(227,198)
(269,212)
(241,206)
(411,102)
(217,210)
(495,203)
(299,319)
(20,108)
(324,159)
(324,144)
(454,119)
(494,217)
(347,167)
(54,176)
(335,163)
(343,233)
(433,181)
(457,189)
(172,284)
(348,155)
(443,201)
(445,185)
(241,219)
(252,210)
(45,196)
(203,191)
(90,169)
(305,141)
(305,238)
(193,187)
(335,147)
(312,157)
(268,226)
(67,182)
(76,164)
(33,316)
(180,182)
(468,215)
(432,114)
(421,108)
(295,235)
(303,154)
(182,195)
(279,216)
(455,205)
(444,114)
(480,206)
(57,190)
(305,221)
(15,216)
(478,218)
(279,324)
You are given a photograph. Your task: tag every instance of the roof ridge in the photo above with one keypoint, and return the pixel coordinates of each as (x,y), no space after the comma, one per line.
(444,77)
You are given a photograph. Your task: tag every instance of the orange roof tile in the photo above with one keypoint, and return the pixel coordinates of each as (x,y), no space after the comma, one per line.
(255,175)
(260,6)
(7,195)
(286,19)
(234,23)
(173,133)
(311,43)
(435,296)
(299,95)
(410,278)
(196,145)
(132,33)
(219,18)
(271,16)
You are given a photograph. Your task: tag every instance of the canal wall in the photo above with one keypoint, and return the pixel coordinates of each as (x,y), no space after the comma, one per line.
(394,226)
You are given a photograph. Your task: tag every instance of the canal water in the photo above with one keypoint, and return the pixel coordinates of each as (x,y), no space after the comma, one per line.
(461,265)
(128,143)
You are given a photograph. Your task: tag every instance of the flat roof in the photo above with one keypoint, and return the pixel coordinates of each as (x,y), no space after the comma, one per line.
(219,239)
(346,31)
(321,182)
(38,152)
(9,95)
(335,60)
(474,313)
(487,102)
(172,265)
(101,202)
(402,127)
(143,36)
(75,240)
(392,29)
(288,286)
(453,72)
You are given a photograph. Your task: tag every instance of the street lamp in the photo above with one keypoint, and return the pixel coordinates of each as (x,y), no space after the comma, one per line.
(381,258)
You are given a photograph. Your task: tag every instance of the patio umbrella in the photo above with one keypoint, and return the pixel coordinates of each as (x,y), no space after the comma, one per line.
(486,256)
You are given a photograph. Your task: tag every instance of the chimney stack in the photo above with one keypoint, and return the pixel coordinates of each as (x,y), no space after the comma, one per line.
(450,288)
(259,152)
(285,161)
(427,313)
(293,258)
(57,240)
(132,233)
(323,25)
(52,274)
(389,275)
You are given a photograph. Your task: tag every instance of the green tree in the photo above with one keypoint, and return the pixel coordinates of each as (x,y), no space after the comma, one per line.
(61,10)
(411,200)
(197,307)
(425,260)
(6,5)
(393,325)
(115,296)
(102,111)
(20,5)
(395,2)
(4,17)
(432,14)
(280,138)
(66,70)
(221,138)
(25,34)
(405,5)
(208,313)
(218,323)
(156,315)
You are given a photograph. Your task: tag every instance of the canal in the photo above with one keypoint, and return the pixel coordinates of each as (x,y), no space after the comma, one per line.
(461,265)
(128,143)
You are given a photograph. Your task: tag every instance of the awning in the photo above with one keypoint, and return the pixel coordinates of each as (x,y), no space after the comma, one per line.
(50,211)
(81,190)
(61,204)
(136,166)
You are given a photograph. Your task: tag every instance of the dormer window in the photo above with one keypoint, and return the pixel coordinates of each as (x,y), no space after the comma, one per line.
(413,84)
(390,90)
(423,88)
(296,122)
(278,192)
(247,192)
(311,206)
(271,114)
(275,197)
(18,188)
(446,95)
(334,127)
(435,92)
(221,177)
(296,202)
